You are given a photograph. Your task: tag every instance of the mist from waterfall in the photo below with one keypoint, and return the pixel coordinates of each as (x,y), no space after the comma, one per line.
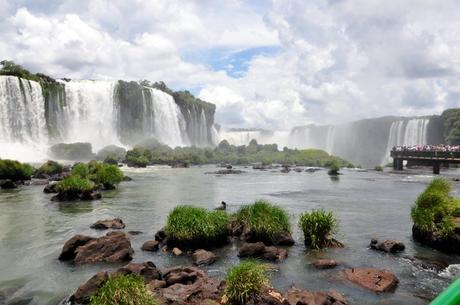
(23,132)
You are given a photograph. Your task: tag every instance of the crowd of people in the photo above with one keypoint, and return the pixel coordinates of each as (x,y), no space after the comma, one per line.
(438,147)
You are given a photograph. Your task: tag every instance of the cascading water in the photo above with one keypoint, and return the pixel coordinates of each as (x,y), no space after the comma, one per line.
(330,139)
(165,120)
(23,133)
(89,113)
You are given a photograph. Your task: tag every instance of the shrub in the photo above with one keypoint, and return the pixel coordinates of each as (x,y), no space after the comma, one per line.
(72,151)
(107,175)
(434,208)
(245,280)
(14,170)
(113,151)
(193,225)
(74,184)
(263,219)
(378,168)
(140,161)
(81,170)
(123,290)
(317,227)
(334,168)
(111,159)
(50,168)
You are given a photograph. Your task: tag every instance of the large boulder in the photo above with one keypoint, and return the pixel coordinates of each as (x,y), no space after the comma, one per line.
(449,244)
(296,296)
(115,223)
(202,257)
(261,251)
(113,247)
(72,151)
(8,184)
(85,291)
(388,245)
(376,280)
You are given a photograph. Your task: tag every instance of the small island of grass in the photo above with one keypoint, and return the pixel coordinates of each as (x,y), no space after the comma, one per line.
(318,226)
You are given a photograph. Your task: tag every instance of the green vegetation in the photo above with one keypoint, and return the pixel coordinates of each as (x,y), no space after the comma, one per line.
(146,153)
(317,227)
(108,175)
(123,290)
(378,168)
(81,170)
(74,185)
(264,220)
(334,168)
(434,209)
(72,151)
(193,225)
(112,152)
(50,168)
(451,118)
(10,68)
(245,280)
(15,171)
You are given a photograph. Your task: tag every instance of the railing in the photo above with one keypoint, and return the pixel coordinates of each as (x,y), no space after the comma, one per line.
(425,154)
(450,296)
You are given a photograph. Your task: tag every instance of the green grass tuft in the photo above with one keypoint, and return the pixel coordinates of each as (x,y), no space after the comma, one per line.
(317,227)
(123,290)
(245,280)
(334,168)
(108,175)
(81,170)
(50,168)
(263,219)
(189,224)
(74,184)
(15,171)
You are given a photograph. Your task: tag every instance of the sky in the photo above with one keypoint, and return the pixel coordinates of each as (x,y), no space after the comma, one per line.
(265,64)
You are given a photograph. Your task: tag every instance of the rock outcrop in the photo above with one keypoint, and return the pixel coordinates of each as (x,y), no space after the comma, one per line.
(372,279)
(115,223)
(260,250)
(388,245)
(296,296)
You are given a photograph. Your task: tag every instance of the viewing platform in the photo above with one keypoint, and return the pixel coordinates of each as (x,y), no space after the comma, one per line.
(424,157)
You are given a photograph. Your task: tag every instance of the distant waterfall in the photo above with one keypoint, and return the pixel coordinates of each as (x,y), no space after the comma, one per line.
(330,139)
(22,118)
(89,113)
(164,119)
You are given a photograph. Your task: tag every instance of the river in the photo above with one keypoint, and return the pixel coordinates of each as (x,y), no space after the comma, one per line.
(368,204)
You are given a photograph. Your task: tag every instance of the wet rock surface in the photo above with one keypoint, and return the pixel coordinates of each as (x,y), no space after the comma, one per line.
(388,245)
(376,280)
(325,264)
(260,250)
(115,223)
(202,257)
(113,247)
(450,244)
(226,172)
(296,296)
(151,245)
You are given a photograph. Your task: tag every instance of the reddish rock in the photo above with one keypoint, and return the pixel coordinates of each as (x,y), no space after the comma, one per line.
(389,245)
(156,284)
(177,251)
(296,296)
(151,245)
(115,223)
(85,291)
(274,253)
(373,279)
(260,250)
(113,247)
(325,264)
(202,257)
(147,270)
(284,239)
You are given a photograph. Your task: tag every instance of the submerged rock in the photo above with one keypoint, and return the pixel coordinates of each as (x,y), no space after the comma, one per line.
(325,264)
(113,247)
(389,245)
(115,223)
(151,245)
(202,257)
(376,280)
(296,296)
(449,244)
(72,196)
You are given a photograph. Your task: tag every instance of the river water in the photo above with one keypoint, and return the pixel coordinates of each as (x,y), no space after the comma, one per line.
(368,204)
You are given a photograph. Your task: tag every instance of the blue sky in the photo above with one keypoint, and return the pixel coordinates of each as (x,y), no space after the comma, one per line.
(266,64)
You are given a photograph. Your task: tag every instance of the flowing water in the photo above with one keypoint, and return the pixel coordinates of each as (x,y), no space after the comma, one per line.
(369,204)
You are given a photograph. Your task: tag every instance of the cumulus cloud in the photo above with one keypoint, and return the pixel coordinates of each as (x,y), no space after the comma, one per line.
(333,61)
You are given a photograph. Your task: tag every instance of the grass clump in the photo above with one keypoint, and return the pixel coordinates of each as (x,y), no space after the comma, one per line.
(108,175)
(434,208)
(50,168)
(334,168)
(123,290)
(15,171)
(74,184)
(264,220)
(192,226)
(81,170)
(378,168)
(245,280)
(318,227)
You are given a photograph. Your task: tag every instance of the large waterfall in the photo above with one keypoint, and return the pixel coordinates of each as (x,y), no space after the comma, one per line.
(366,142)
(22,119)
(35,116)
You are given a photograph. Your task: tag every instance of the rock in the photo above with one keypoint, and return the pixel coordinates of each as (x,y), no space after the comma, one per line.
(134,232)
(151,245)
(113,247)
(127,178)
(389,245)
(284,239)
(325,264)
(226,172)
(85,291)
(260,250)
(298,170)
(50,188)
(189,285)
(71,196)
(155,284)
(147,270)
(296,296)
(373,279)
(115,223)
(449,244)
(36,182)
(285,170)
(202,257)
(59,176)
(72,151)
(180,165)
(160,235)
(177,251)
(8,184)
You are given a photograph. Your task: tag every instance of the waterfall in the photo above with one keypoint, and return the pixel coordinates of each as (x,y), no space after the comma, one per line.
(330,139)
(22,119)
(164,119)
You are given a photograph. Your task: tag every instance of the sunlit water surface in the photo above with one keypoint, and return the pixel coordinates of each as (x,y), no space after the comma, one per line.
(369,204)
